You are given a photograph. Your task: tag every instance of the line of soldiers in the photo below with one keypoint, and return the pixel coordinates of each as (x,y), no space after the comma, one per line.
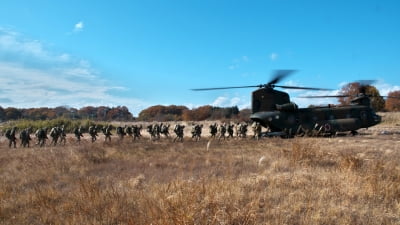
(225,130)
(56,133)
(133,132)
(156,131)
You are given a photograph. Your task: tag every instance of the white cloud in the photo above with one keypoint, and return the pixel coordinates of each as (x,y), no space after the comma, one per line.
(15,47)
(33,76)
(385,88)
(232,67)
(79,26)
(273,56)
(237,62)
(220,101)
(27,87)
(223,101)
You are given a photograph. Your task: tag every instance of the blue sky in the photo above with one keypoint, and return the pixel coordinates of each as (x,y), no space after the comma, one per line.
(143,53)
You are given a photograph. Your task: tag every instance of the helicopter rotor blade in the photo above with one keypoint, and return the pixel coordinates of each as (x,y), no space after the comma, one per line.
(279,75)
(302,88)
(385,96)
(222,88)
(346,96)
(326,96)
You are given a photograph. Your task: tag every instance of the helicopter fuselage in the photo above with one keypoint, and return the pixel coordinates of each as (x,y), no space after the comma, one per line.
(273,110)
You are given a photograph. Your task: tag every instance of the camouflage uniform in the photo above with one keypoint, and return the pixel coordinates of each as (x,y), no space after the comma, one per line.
(196,131)
(256,130)
(63,135)
(136,132)
(120,132)
(107,133)
(54,134)
(154,131)
(222,131)
(78,134)
(157,130)
(93,133)
(165,130)
(179,132)
(129,131)
(213,130)
(25,137)
(230,130)
(242,129)
(150,130)
(41,135)
(12,140)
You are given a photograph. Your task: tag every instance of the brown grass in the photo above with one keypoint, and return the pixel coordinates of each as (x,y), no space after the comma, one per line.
(346,180)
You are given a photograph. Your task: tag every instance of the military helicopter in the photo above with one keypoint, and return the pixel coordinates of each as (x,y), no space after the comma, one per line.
(274,111)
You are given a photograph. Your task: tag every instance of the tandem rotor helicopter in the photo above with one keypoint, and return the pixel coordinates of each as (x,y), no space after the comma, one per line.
(274,111)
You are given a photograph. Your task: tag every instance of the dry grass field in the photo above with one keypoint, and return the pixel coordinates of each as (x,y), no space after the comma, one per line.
(341,180)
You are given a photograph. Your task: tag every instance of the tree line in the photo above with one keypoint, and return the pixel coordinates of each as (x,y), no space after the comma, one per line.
(182,113)
(101,113)
(121,113)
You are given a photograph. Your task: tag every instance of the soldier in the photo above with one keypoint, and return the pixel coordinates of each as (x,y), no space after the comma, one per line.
(157,130)
(10,134)
(136,131)
(150,130)
(222,131)
(193,131)
(213,130)
(54,134)
(63,135)
(25,137)
(93,132)
(41,135)
(256,130)
(243,130)
(236,127)
(78,134)
(230,130)
(107,133)
(165,130)
(179,132)
(196,132)
(120,132)
(129,131)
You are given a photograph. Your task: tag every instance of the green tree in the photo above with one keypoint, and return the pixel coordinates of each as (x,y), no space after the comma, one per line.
(393,101)
(351,91)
